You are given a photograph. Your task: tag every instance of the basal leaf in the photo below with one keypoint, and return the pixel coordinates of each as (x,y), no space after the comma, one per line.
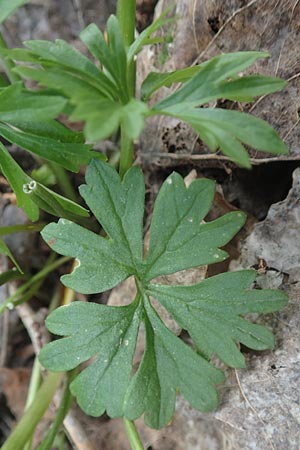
(169,365)
(118,206)
(211,311)
(103,263)
(7,7)
(178,239)
(95,330)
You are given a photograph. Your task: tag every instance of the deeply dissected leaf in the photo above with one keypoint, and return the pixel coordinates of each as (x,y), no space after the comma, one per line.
(212,81)
(61,54)
(7,7)
(68,84)
(90,327)
(219,78)
(210,311)
(169,364)
(103,263)
(178,239)
(226,129)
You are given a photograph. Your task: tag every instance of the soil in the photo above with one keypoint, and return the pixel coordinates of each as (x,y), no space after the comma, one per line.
(247,417)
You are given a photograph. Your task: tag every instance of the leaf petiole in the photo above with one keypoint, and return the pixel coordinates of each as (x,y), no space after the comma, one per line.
(133,435)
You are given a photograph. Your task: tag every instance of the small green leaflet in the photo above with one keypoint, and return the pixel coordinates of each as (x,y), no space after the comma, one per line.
(7,7)
(211,311)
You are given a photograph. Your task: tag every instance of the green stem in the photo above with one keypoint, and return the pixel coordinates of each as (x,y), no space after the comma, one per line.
(8,64)
(13,299)
(127,153)
(34,385)
(25,428)
(126,15)
(62,411)
(132,434)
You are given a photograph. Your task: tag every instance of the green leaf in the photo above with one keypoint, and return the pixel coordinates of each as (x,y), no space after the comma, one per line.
(20,105)
(68,84)
(17,178)
(61,54)
(111,55)
(210,311)
(143,38)
(169,364)
(226,129)
(156,80)
(54,203)
(31,195)
(119,207)
(67,154)
(4,250)
(178,239)
(213,76)
(103,117)
(7,7)
(44,175)
(90,328)
(3,81)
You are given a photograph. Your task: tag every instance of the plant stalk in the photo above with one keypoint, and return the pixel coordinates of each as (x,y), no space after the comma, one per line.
(133,435)
(25,428)
(126,15)
(34,385)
